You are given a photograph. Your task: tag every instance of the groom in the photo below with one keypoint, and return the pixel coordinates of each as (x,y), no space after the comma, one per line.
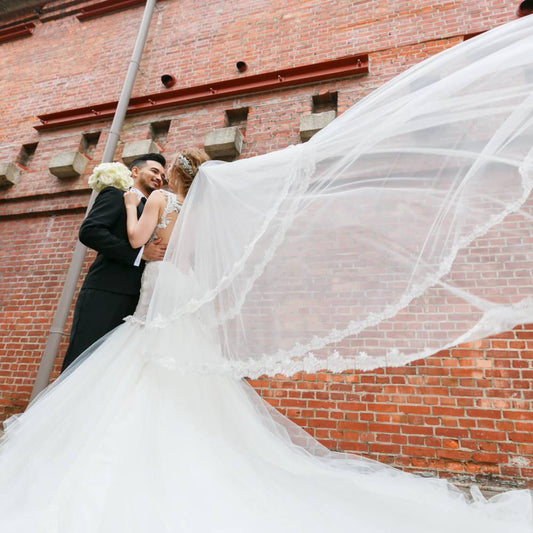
(111,288)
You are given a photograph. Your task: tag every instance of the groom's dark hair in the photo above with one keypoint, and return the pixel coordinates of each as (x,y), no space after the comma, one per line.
(141,160)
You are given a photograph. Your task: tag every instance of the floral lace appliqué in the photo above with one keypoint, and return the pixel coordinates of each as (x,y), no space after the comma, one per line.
(172,206)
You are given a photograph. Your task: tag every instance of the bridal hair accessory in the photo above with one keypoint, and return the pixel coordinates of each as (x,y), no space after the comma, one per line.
(111,175)
(185,164)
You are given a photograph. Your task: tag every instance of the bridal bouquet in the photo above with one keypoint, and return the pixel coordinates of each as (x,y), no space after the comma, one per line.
(111,175)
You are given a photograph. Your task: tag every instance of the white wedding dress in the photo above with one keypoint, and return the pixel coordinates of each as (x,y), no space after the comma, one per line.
(127,442)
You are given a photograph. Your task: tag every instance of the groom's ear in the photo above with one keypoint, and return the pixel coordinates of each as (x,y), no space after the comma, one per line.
(134,171)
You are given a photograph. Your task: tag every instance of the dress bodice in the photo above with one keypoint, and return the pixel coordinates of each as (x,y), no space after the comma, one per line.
(172,205)
(166,220)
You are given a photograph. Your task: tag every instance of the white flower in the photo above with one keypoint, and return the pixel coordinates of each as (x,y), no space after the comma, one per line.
(111,175)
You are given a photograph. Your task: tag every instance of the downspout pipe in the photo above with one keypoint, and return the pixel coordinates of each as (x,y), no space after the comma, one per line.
(67,295)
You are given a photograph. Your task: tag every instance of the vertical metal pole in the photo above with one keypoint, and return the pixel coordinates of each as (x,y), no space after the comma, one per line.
(73,274)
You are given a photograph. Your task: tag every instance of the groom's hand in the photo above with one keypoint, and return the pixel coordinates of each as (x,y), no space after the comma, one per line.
(154,251)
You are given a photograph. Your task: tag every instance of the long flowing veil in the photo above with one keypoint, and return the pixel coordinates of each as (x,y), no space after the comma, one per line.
(402,228)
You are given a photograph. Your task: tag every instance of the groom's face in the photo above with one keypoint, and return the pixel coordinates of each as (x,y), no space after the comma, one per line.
(148,177)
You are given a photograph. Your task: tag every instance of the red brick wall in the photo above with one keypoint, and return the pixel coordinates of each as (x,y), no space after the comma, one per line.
(33,266)
(461,414)
(464,413)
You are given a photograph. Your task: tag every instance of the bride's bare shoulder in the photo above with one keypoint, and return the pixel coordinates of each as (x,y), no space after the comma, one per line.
(156,197)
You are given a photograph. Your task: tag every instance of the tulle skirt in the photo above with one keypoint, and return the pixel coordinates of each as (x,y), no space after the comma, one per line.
(126,442)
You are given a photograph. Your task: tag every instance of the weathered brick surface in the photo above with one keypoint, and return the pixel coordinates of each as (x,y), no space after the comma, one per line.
(464,413)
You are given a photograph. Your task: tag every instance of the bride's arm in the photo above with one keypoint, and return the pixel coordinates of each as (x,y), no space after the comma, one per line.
(140,230)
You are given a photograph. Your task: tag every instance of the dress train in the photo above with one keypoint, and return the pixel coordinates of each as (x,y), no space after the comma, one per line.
(126,442)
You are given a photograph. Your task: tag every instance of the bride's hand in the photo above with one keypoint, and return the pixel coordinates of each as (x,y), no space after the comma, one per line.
(131,198)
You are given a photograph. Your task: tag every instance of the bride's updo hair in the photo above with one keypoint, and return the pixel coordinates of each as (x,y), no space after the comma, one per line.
(184,167)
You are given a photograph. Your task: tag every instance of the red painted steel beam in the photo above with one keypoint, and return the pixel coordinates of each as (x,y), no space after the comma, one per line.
(15,32)
(328,70)
(108,6)
(471,35)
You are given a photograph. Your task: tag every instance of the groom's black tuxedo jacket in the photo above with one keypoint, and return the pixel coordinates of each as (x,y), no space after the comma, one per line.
(104,230)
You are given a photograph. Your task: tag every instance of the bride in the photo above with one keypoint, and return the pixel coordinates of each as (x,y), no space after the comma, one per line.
(364,247)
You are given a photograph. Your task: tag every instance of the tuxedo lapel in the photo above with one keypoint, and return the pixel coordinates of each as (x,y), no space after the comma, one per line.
(140,207)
